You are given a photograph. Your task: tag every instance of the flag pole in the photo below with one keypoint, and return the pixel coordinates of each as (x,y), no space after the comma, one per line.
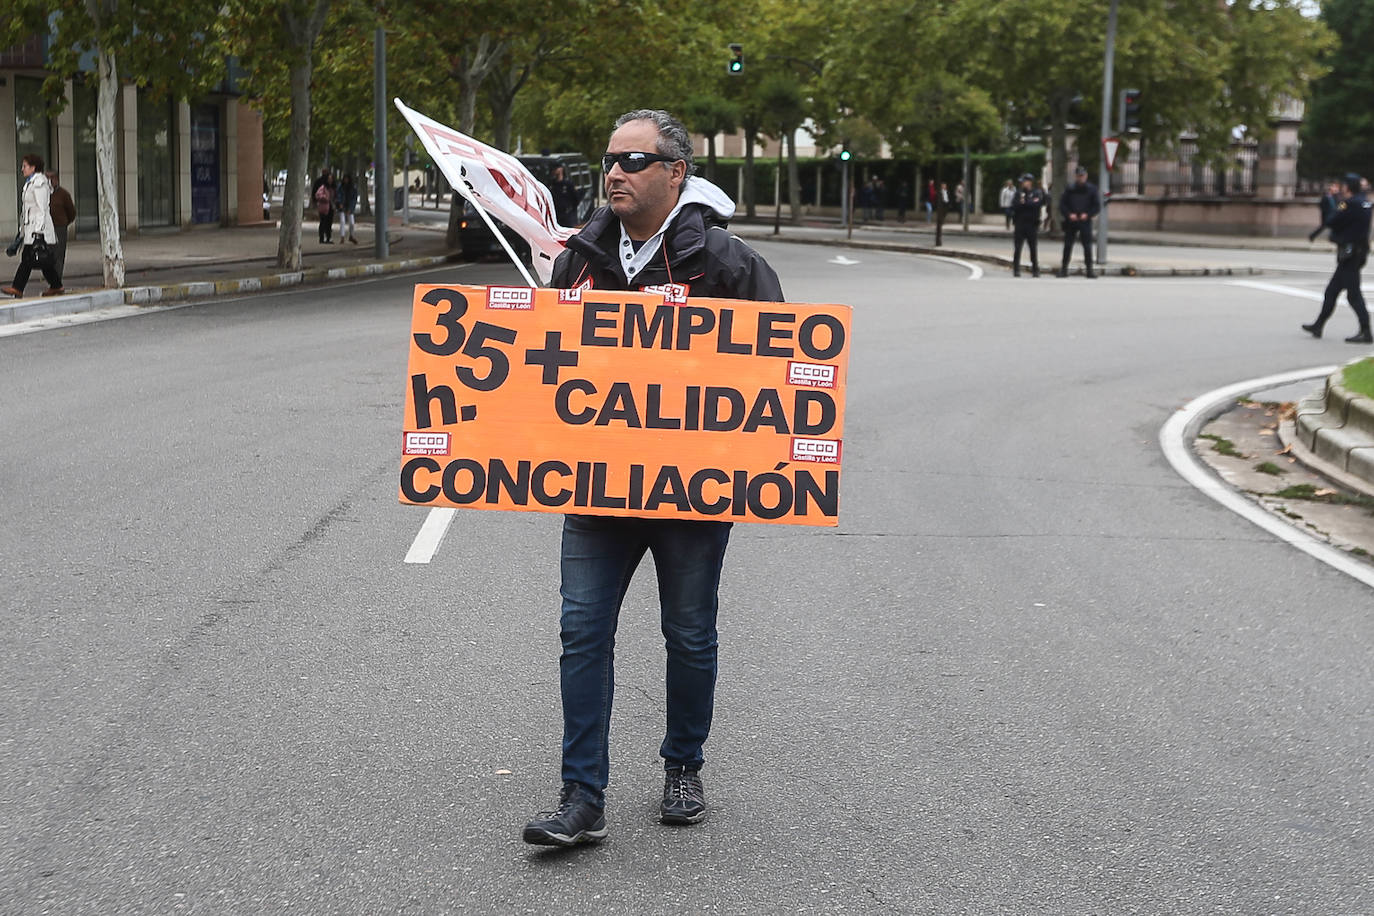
(500,236)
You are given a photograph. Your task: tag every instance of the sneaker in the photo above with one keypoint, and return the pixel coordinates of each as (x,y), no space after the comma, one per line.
(684,797)
(575,820)
(1314,329)
(1362,337)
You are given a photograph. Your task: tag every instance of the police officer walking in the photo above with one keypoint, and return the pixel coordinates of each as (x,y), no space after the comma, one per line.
(1349,225)
(1025,208)
(1078,205)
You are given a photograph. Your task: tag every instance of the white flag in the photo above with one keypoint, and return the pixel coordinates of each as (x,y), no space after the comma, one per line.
(497,182)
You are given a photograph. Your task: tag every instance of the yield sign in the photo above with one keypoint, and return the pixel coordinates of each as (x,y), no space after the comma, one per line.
(1109,147)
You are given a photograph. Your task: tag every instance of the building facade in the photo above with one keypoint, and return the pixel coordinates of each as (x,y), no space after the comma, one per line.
(179,165)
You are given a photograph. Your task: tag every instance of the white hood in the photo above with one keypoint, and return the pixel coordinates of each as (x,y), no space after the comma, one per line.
(697,190)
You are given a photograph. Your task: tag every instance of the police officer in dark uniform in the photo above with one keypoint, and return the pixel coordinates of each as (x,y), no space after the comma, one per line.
(1349,225)
(1078,205)
(1025,216)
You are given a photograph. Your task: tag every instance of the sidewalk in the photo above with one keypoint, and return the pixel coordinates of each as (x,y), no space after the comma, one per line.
(172,264)
(1135,253)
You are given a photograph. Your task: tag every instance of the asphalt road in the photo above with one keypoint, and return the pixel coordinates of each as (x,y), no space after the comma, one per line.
(1032,671)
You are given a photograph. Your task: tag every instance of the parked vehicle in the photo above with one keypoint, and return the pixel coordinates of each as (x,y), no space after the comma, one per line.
(476,238)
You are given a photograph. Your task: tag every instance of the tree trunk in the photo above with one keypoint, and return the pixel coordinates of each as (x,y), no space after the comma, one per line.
(751,133)
(711,158)
(470,73)
(303,33)
(793,178)
(297,169)
(107,184)
(1059,148)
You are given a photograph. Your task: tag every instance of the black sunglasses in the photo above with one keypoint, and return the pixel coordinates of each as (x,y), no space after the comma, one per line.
(632,162)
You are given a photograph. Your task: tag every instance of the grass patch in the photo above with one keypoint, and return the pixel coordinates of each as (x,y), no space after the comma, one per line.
(1312,493)
(1298,491)
(1359,377)
(1359,551)
(1269,467)
(1222,446)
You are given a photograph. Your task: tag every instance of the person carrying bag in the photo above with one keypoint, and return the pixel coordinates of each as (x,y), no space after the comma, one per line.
(37,234)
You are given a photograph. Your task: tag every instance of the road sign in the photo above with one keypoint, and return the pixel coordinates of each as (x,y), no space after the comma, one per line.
(1109,147)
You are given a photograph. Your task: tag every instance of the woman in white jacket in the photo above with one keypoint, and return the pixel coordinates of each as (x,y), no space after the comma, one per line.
(35,223)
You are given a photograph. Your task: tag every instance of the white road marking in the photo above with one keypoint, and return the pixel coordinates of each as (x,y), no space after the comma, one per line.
(1278,288)
(61,321)
(430,536)
(1176,437)
(975,272)
(841,259)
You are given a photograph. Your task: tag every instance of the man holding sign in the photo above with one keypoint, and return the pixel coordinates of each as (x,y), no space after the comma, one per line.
(662,231)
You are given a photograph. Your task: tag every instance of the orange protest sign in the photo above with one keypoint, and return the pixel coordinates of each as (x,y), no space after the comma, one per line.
(643,404)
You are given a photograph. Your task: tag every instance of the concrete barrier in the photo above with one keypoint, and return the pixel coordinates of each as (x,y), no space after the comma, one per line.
(1334,433)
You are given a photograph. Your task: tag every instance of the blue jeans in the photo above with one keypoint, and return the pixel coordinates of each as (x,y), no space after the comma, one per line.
(600,555)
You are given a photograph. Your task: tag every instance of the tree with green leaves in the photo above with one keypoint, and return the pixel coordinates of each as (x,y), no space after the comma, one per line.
(1338,130)
(710,115)
(276,41)
(169,47)
(1203,68)
(784,107)
(893,67)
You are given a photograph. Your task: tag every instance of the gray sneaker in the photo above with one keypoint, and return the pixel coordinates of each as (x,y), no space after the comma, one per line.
(575,820)
(684,797)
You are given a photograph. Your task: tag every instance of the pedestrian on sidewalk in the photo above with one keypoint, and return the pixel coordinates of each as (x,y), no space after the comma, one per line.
(1078,205)
(1026,206)
(1325,207)
(866,200)
(346,202)
(1349,224)
(322,192)
(1005,198)
(37,236)
(671,228)
(903,194)
(879,198)
(566,197)
(959,202)
(63,210)
(930,199)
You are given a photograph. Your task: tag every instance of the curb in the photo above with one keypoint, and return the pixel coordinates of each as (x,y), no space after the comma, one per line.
(1003,261)
(1333,434)
(152,294)
(1175,440)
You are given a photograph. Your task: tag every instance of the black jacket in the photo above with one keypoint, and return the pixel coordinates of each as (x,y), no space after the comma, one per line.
(1026,206)
(1349,222)
(697,251)
(1077,199)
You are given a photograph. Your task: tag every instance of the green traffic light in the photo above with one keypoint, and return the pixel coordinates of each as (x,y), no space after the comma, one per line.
(736,66)
(844,155)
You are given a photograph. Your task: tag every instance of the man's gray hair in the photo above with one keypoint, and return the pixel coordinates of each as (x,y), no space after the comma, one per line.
(673,138)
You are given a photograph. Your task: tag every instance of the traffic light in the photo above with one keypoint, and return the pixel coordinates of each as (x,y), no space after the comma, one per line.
(844,155)
(736,65)
(1130,109)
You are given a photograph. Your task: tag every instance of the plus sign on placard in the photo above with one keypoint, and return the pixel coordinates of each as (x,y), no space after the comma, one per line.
(1109,147)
